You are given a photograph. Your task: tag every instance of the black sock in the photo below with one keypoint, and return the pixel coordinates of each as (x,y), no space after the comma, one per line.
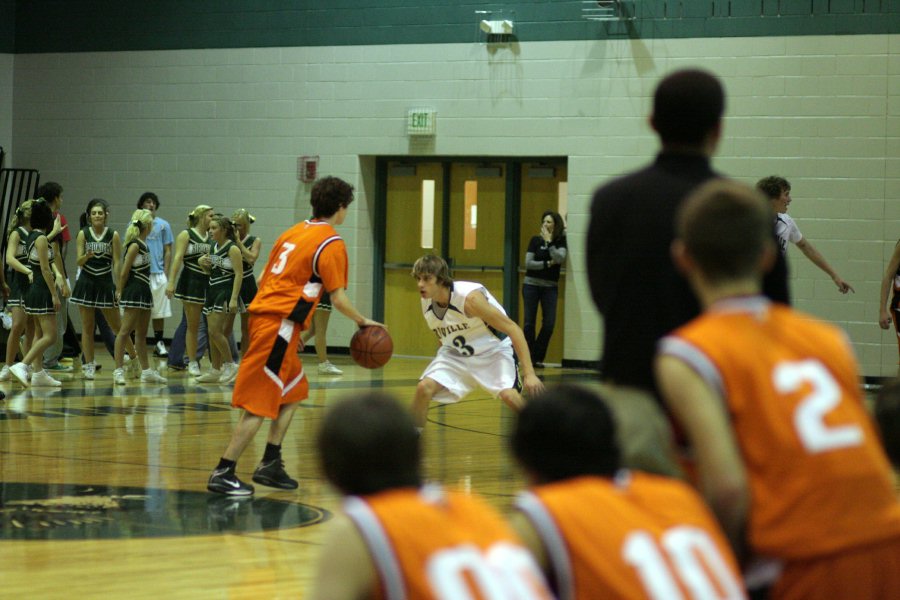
(224,463)
(157,336)
(272,452)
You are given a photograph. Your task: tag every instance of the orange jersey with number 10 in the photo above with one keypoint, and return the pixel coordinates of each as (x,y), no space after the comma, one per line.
(306,260)
(430,544)
(819,479)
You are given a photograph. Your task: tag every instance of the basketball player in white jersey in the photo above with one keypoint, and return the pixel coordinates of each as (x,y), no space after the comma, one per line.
(479,342)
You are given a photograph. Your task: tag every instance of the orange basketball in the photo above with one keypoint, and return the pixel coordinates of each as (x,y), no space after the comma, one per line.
(371,347)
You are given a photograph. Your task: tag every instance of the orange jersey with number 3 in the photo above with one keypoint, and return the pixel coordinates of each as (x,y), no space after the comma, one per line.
(819,479)
(431,544)
(632,537)
(306,260)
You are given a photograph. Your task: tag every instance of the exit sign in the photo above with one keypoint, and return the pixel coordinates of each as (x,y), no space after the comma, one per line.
(421,121)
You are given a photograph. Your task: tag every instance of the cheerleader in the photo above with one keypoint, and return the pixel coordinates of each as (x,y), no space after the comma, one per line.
(223,298)
(249,245)
(19,280)
(42,298)
(190,245)
(134,295)
(99,250)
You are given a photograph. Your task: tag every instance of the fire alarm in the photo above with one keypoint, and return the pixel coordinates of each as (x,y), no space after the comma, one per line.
(307,168)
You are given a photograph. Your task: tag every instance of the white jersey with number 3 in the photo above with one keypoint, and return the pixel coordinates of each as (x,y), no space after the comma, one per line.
(468,336)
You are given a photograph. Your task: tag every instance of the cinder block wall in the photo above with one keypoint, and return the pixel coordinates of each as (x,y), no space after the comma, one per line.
(225,127)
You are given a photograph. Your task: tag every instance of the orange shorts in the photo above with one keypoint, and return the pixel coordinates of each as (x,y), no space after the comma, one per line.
(867,573)
(270,374)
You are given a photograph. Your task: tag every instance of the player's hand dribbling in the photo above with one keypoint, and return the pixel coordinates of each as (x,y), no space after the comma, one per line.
(370,323)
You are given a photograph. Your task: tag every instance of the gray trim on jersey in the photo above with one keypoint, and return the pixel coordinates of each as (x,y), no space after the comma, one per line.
(380,549)
(695,359)
(554,544)
(321,247)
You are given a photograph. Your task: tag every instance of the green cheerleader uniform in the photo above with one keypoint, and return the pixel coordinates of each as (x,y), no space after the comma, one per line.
(38,298)
(221,281)
(95,287)
(193,281)
(248,283)
(18,282)
(137,292)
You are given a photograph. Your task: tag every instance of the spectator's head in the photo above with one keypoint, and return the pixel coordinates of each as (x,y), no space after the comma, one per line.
(368,444)
(724,230)
(887,414)
(773,186)
(687,108)
(41,215)
(52,193)
(149,201)
(567,431)
(559,227)
(329,195)
(433,265)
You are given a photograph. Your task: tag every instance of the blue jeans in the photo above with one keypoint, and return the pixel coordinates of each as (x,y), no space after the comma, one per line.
(178,348)
(546,297)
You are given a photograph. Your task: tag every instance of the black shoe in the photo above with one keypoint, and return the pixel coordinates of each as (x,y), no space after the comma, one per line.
(174,367)
(221,481)
(272,474)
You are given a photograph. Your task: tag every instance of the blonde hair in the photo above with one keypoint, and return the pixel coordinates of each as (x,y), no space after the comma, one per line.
(141,219)
(194,215)
(21,217)
(243,216)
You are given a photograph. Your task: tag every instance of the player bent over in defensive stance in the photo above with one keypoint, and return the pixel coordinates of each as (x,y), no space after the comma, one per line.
(402,539)
(307,260)
(769,399)
(477,342)
(600,531)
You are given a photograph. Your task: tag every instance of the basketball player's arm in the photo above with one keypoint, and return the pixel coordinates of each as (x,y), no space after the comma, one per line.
(345,569)
(529,535)
(341,301)
(478,306)
(887,283)
(817,259)
(181,243)
(700,412)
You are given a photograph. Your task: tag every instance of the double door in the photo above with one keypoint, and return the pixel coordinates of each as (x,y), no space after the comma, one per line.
(478,216)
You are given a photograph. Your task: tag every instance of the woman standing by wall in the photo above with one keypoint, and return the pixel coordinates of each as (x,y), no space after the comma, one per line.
(249,245)
(190,245)
(543,261)
(19,281)
(135,297)
(223,299)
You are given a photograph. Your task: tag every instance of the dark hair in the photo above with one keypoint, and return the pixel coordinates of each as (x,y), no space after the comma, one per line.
(433,265)
(773,186)
(887,415)
(50,191)
(567,431)
(227,225)
(41,215)
(687,106)
(85,218)
(329,195)
(725,227)
(368,444)
(559,228)
(148,196)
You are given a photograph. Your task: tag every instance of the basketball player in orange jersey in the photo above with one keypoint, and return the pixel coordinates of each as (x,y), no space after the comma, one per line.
(402,539)
(307,260)
(481,347)
(769,399)
(600,531)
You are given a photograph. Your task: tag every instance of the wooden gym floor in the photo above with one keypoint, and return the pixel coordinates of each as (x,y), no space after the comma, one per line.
(103,488)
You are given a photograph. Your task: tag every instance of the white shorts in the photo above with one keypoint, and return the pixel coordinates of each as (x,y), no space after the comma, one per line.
(162,306)
(493,372)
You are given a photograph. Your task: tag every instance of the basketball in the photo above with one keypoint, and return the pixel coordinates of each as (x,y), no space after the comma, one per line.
(371,347)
